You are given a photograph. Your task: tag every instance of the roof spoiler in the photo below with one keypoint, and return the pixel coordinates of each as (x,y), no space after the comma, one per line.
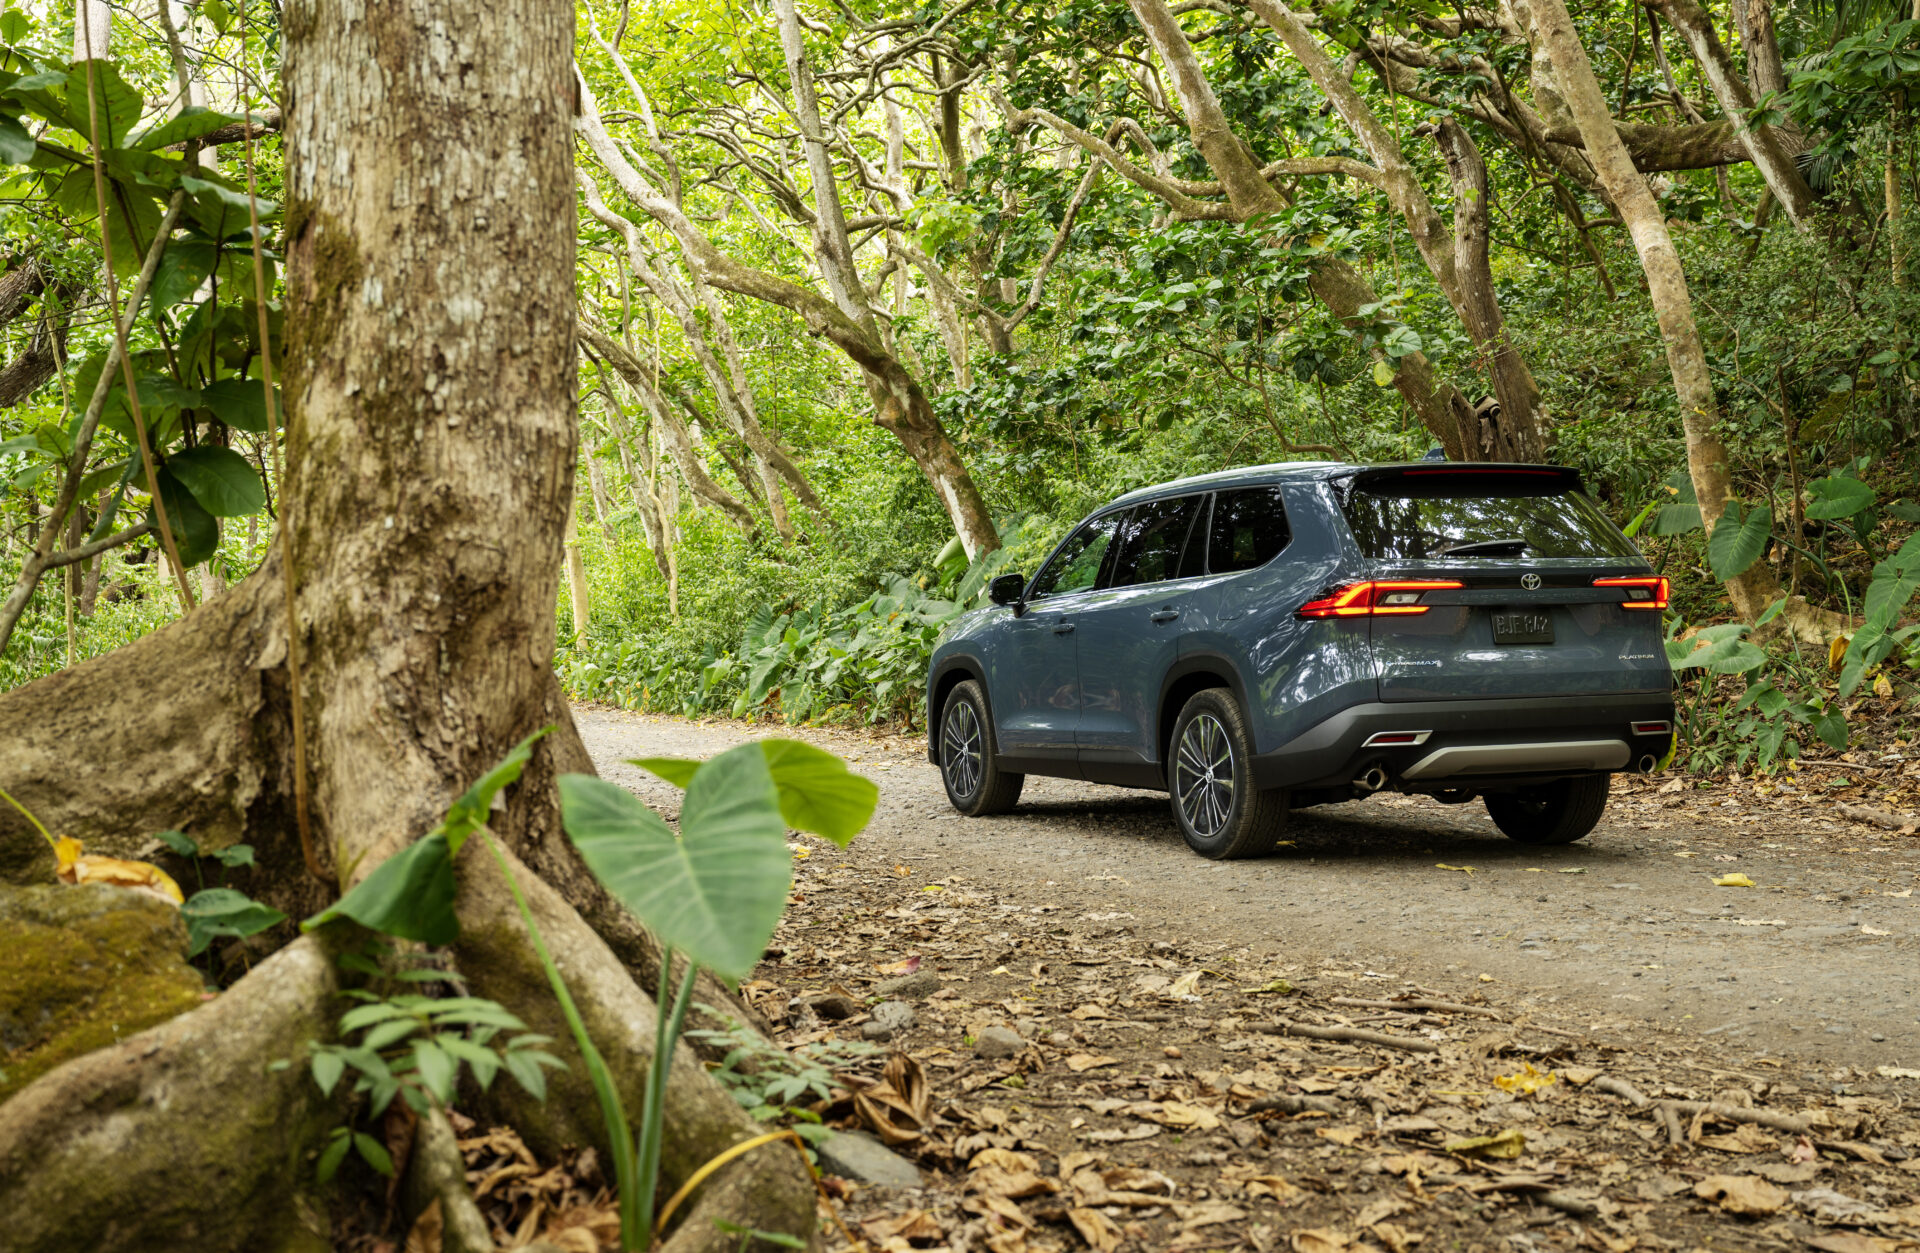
(1554,478)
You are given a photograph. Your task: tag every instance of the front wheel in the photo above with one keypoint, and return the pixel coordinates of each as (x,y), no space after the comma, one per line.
(976,785)
(1210,774)
(1559,812)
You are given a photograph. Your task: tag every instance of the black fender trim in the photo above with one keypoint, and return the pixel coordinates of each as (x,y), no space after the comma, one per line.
(967,664)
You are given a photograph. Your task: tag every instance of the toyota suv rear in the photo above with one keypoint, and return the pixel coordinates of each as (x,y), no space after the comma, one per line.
(1266,639)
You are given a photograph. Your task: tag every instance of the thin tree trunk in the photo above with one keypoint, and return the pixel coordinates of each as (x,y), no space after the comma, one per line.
(577,594)
(1707,461)
(602,503)
(1763,143)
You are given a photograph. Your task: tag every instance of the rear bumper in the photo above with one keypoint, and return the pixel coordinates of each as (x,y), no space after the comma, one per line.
(1468,743)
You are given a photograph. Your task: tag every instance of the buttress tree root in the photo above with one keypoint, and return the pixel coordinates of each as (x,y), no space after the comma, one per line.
(394,646)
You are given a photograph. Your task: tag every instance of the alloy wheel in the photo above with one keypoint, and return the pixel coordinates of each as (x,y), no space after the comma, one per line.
(961,749)
(1203,776)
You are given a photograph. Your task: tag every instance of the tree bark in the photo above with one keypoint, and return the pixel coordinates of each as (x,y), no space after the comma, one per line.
(1762,143)
(1707,460)
(578,597)
(429,386)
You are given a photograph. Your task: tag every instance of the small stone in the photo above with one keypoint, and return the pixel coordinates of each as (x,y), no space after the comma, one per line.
(1060,1040)
(893,1015)
(858,1156)
(1877,1038)
(877,1032)
(998,1042)
(832,1005)
(1172,1052)
(916,986)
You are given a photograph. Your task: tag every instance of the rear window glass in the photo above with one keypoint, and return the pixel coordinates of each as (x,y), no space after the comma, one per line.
(1467,517)
(1249,529)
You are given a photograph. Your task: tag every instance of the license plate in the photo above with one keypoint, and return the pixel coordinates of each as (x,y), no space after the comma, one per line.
(1520,627)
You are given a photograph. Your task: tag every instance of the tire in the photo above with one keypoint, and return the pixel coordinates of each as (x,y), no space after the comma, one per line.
(1552,813)
(1210,778)
(976,785)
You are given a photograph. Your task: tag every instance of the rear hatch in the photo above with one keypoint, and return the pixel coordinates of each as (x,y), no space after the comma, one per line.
(1515,585)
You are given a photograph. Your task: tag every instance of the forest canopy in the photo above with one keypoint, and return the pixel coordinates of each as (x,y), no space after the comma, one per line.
(874,301)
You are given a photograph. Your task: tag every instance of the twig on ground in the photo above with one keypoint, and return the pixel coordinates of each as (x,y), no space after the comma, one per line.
(1351,1035)
(1297,1105)
(1441,1007)
(1877,817)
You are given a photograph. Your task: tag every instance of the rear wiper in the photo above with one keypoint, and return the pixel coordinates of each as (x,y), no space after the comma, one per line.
(1485,546)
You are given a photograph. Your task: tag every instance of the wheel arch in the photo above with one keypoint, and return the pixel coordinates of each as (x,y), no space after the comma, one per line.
(1187,676)
(951,673)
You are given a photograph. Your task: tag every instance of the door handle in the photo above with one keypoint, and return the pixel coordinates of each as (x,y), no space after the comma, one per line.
(1163,615)
(1063,628)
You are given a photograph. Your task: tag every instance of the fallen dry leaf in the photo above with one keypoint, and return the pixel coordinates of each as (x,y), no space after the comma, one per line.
(913,1225)
(1525,1081)
(1101,1233)
(1005,1159)
(1080,1063)
(1746,1138)
(76,867)
(1015,1184)
(1741,1194)
(1734,880)
(1509,1143)
(1321,1240)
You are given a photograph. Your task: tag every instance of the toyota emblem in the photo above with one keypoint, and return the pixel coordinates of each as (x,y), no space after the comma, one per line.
(1530,581)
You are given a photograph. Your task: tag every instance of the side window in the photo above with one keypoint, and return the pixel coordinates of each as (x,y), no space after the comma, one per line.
(1249,529)
(1194,561)
(1076,567)
(1153,539)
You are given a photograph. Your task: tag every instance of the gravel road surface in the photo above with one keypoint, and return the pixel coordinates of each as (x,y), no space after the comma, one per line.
(1623,932)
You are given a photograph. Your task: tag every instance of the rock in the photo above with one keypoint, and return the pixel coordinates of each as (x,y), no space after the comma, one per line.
(916,986)
(25,858)
(832,1005)
(998,1042)
(85,966)
(888,1017)
(858,1156)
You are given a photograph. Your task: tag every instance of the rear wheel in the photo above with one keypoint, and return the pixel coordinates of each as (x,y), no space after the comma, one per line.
(1551,813)
(1210,774)
(975,783)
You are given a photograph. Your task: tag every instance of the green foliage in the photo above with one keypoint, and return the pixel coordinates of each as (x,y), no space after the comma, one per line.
(774,1083)
(216,912)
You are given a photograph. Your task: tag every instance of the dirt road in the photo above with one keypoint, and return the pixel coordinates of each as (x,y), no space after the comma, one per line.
(1622,933)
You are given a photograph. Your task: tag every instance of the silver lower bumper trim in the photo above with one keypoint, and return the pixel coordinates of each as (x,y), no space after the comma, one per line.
(1507,758)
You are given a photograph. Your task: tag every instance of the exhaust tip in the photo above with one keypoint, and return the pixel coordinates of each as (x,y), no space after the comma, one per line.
(1372,780)
(1647,764)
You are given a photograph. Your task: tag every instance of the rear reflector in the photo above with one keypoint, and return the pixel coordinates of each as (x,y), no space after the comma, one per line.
(1375,598)
(1653,728)
(1394,739)
(1642,591)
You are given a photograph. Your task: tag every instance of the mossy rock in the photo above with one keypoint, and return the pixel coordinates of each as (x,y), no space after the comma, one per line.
(25,857)
(85,966)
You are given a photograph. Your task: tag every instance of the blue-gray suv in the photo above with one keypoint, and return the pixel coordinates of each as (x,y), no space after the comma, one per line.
(1265,639)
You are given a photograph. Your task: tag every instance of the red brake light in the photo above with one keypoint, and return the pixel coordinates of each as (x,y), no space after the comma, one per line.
(1375,598)
(1643,591)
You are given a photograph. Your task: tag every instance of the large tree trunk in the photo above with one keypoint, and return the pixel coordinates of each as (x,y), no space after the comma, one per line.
(1707,460)
(429,386)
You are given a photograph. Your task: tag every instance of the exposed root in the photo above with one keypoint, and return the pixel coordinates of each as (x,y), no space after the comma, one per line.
(181,1136)
(1352,1035)
(437,1173)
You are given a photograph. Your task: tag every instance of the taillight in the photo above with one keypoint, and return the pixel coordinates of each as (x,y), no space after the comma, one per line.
(1647,591)
(1375,598)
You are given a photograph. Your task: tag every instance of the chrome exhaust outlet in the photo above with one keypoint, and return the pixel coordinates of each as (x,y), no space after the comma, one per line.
(1647,764)
(1373,780)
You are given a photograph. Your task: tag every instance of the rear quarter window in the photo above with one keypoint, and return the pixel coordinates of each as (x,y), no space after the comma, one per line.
(1426,519)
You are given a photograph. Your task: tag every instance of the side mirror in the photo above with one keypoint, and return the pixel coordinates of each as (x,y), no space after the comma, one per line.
(1006,588)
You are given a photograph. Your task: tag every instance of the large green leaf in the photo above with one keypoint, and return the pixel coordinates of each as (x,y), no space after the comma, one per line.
(1739,540)
(115,103)
(675,770)
(190,123)
(817,791)
(195,532)
(224,482)
(240,403)
(1681,512)
(183,267)
(409,895)
(1838,497)
(16,145)
(716,890)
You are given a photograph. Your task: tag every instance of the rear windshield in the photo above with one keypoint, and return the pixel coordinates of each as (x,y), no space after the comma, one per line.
(1427,519)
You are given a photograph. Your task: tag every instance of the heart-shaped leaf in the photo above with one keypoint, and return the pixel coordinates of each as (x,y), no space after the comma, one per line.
(1738,540)
(716,890)
(817,791)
